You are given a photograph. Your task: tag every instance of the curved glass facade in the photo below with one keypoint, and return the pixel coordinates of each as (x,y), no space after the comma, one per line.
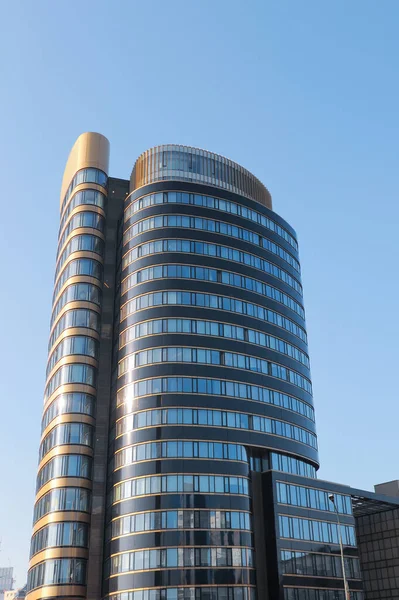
(212,379)
(60,540)
(178,371)
(183,163)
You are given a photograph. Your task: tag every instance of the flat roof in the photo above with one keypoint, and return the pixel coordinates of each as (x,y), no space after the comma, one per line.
(364,502)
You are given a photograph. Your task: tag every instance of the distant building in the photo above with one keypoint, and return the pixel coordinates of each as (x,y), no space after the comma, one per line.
(15,594)
(6,580)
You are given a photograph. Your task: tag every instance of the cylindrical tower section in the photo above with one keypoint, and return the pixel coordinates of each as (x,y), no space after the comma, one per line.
(212,381)
(59,546)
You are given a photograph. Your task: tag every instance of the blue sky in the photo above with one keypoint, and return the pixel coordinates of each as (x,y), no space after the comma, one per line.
(304,94)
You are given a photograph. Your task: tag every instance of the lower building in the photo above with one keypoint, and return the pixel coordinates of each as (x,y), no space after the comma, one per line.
(298,541)
(378,543)
(18,594)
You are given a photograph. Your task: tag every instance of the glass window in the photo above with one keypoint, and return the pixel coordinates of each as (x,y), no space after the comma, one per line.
(313,498)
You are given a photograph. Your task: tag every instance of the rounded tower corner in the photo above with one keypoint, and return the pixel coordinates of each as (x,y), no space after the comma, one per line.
(91,149)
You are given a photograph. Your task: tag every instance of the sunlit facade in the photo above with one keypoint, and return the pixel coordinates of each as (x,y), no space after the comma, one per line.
(178,380)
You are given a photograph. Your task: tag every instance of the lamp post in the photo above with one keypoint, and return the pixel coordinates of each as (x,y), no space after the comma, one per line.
(331,497)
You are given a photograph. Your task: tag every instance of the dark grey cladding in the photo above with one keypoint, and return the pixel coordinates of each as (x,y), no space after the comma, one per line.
(212,384)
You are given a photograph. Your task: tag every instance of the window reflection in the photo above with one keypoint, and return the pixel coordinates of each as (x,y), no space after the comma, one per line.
(210,386)
(226,252)
(74,373)
(209,202)
(312,530)
(210,328)
(60,534)
(237,592)
(70,465)
(58,571)
(62,499)
(82,219)
(175,271)
(67,433)
(181,519)
(86,243)
(89,197)
(75,402)
(212,301)
(179,449)
(78,317)
(319,565)
(77,291)
(143,560)
(170,416)
(288,464)
(291,593)
(79,266)
(205,356)
(77,344)
(201,224)
(312,498)
(84,176)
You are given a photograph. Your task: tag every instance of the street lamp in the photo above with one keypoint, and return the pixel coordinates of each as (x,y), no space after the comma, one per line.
(331,497)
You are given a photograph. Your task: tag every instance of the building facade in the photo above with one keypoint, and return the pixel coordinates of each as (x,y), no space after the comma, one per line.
(378,542)
(18,594)
(6,580)
(177,382)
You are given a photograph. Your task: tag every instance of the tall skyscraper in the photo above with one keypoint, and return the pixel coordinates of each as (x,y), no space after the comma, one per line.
(177,381)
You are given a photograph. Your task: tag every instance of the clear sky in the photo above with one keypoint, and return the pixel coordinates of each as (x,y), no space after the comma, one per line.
(304,94)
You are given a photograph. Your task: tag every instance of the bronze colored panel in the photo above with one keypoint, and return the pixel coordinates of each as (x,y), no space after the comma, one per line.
(57,591)
(63,482)
(73,305)
(90,150)
(66,388)
(70,332)
(75,256)
(62,552)
(60,516)
(71,359)
(67,418)
(81,208)
(75,279)
(65,449)
(229,175)
(72,234)
(81,187)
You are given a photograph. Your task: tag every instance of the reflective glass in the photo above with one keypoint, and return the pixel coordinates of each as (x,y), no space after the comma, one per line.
(312,530)
(202,248)
(56,572)
(210,202)
(60,499)
(178,483)
(84,176)
(205,274)
(202,224)
(214,387)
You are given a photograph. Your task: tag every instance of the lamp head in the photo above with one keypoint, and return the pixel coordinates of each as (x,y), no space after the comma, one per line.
(331,498)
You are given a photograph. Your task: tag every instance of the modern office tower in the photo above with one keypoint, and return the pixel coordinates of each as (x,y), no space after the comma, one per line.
(177,384)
